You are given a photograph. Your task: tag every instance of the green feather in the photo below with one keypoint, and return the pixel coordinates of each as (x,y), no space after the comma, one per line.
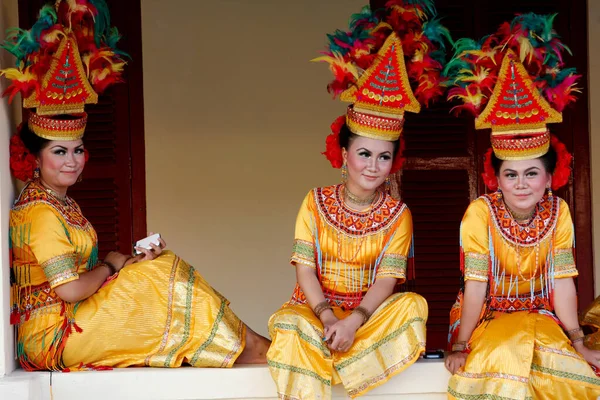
(436,32)
(102,21)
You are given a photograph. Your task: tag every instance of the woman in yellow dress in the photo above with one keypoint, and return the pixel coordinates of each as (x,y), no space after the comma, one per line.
(346,321)
(74,311)
(514,331)
(590,318)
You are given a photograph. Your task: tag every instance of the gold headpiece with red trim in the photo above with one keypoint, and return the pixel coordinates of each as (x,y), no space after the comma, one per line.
(381,95)
(517,114)
(374,65)
(515,84)
(63,62)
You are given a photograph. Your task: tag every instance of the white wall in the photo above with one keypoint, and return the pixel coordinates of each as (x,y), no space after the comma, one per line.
(8,17)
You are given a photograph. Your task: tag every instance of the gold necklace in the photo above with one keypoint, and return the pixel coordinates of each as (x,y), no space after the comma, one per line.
(520,217)
(61,199)
(368,223)
(349,196)
(536,248)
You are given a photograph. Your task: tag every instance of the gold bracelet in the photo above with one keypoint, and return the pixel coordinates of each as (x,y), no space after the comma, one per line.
(459,346)
(363,312)
(576,335)
(321,307)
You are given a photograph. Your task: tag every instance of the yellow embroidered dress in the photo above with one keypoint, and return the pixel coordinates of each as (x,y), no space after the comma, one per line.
(349,250)
(591,318)
(158,313)
(519,350)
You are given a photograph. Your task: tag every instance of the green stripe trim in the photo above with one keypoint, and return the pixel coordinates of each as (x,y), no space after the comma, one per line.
(212,335)
(564,374)
(317,343)
(188,315)
(463,396)
(298,370)
(380,343)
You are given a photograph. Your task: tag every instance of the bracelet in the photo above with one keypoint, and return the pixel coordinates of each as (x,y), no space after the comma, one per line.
(321,307)
(111,268)
(460,347)
(363,312)
(576,335)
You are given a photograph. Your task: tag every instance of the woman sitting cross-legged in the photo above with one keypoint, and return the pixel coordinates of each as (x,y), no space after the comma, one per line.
(346,321)
(514,331)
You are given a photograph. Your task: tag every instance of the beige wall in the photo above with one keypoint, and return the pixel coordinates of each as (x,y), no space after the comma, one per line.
(236,118)
(594,95)
(8,17)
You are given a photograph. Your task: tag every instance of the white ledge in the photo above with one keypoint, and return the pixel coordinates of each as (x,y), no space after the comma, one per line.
(425,380)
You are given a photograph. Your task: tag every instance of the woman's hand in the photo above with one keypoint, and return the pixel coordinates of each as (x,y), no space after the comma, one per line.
(328,319)
(341,335)
(148,255)
(591,356)
(455,361)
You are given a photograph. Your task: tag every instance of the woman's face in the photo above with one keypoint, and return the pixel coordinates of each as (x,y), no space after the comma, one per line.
(523,184)
(369,162)
(61,162)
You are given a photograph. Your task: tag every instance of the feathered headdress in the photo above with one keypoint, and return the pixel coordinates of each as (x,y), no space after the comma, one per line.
(63,62)
(515,83)
(389,62)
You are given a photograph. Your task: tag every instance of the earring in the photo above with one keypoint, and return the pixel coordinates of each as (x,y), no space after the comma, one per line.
(550,193)
(80,178)
(499,193)
(388,184)
(344,173)
(36,173)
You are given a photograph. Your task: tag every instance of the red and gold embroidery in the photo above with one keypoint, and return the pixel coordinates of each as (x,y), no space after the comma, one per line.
(384,213)
(70,211)
(509,304)
(541,226)
(33,298)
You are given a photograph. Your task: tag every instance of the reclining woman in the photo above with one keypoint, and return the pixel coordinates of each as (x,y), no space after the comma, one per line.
(74,311)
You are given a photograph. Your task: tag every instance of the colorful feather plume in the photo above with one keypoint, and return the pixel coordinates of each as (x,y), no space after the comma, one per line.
(89,22)
(474,69)
(423,38)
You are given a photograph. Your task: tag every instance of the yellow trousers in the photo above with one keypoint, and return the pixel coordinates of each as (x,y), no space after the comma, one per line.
(523,355)
(303,367)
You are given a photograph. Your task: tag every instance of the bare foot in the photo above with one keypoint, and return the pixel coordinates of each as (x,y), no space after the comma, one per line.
(256,348)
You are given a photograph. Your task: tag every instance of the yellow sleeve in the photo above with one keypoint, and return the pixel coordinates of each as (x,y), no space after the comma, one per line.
(304,240)
(50,244)
(564,243)
(395,257)
(474,239)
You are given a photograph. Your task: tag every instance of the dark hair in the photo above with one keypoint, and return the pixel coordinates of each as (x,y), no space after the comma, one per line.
(347,137)
(548,160)
(32,142)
